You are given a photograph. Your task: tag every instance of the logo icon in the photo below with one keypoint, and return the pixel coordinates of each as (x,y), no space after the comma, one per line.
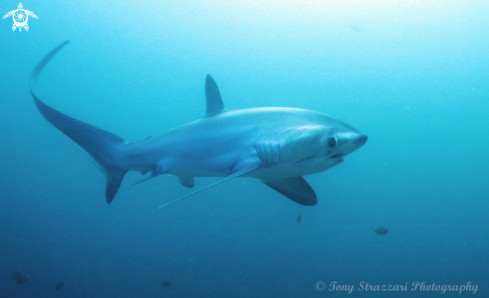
(320,286)
(20,17)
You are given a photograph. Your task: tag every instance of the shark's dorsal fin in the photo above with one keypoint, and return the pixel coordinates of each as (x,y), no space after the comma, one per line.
(213,97)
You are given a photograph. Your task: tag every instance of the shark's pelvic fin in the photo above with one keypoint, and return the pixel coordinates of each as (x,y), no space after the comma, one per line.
(295,188)
(245,169)
(213,97)
(107,151)
(186,181)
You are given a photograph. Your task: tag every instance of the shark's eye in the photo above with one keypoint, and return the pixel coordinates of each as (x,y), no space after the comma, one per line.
(332,142)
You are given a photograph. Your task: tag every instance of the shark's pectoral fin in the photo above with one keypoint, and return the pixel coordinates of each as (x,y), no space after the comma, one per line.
(295,188)
(245,167)
(186,181)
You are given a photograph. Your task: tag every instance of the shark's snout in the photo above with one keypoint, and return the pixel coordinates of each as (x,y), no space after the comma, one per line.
(362,140)
(348,143)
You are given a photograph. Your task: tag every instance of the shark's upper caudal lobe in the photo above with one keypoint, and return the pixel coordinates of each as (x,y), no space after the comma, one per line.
(274,145)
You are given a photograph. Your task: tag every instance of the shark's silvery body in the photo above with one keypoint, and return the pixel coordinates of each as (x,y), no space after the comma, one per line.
(274,145)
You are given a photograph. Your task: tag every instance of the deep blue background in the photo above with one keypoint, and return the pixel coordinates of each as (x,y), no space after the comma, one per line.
(412,75)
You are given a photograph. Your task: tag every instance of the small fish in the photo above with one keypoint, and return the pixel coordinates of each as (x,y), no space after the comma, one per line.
(299,219)
(59,285)
(381,231)
(19,277)
(166,284)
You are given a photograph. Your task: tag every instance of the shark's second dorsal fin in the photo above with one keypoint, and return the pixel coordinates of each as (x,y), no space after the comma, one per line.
(213,97)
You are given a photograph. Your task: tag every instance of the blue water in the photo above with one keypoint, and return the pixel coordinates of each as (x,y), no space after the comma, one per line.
(412,75)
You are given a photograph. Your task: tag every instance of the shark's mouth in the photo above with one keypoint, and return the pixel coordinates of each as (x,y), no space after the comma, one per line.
(336,159)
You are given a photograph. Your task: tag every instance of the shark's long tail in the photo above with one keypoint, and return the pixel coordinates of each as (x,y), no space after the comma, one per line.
(106,150)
